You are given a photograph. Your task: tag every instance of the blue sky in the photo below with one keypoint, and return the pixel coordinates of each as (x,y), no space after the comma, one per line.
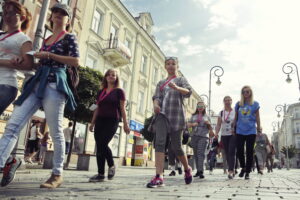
(250,39)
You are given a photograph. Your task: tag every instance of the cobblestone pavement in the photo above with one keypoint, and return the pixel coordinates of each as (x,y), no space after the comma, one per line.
(130,182)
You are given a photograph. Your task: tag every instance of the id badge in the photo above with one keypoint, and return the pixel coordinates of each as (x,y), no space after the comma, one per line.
(93,107)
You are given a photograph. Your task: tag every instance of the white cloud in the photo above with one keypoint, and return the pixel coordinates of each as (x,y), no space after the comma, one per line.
(166,28)
(169,47)
(184,40)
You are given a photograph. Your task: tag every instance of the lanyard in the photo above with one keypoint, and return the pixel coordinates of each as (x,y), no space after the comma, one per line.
(168,81)
(56,39)
(103,96)
(200,117)
(11,34)
(227,115)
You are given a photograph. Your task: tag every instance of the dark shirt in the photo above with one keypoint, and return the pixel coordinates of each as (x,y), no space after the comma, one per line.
(109,107)
(65,47)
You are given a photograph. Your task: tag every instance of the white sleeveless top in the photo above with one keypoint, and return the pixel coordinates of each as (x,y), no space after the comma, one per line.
(227,119)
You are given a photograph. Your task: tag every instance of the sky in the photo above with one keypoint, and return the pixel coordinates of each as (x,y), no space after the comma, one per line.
(250,39)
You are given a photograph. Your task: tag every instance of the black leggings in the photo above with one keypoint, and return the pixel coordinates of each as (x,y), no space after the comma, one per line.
(240,143)
(105,129)
(229,143)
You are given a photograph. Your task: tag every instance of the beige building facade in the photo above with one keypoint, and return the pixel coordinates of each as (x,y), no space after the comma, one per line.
(109,36)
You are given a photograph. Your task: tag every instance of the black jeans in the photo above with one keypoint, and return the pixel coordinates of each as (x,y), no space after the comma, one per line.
(229,143)
(240,143)
(105,129)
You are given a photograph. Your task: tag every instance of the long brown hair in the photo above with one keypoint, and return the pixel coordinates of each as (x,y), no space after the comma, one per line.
(21,10)
(197,111)
(104,81)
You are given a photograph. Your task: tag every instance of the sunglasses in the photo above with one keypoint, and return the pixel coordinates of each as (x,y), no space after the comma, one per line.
(200,106)
(60,11)
(171,58)
(10,14)
(246,92)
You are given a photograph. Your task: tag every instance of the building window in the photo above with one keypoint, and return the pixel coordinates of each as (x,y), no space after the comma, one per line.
(144,64)
(113,36)
(297,141)
(154,76)
(297,127)
(90,62)
(97,20)
(140,106)
(124,85)
(128,43)
(297,113)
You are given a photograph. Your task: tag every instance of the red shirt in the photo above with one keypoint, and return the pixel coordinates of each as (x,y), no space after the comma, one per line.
(109,107)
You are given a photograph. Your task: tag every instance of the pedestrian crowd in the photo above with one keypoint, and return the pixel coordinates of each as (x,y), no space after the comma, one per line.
(238,135)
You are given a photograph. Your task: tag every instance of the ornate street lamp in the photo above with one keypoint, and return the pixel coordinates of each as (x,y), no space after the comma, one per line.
(288,68)
(279,108)
(218,72)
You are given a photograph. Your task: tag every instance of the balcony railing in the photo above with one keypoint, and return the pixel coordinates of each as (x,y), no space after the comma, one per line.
(117,52)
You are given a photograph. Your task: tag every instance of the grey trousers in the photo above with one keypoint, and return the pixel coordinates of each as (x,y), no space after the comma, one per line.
(229,143)
(261,155)
(161,134)
(199,145)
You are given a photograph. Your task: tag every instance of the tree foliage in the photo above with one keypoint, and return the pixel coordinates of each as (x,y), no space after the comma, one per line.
(87,90)
(292,151)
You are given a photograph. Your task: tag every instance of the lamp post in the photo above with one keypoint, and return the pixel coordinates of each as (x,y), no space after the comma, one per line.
(274,124)
(279,108)
(202,96)
(289,68)
(218,72)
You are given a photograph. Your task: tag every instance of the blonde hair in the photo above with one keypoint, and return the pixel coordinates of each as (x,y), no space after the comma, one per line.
(242,101)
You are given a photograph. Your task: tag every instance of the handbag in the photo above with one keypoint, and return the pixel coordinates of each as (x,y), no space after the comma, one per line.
(268,148)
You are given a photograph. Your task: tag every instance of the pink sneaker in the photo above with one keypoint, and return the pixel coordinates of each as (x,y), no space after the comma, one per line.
(188,177)
(156,181)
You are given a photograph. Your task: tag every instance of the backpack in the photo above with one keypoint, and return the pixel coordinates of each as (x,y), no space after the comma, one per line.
(72,73)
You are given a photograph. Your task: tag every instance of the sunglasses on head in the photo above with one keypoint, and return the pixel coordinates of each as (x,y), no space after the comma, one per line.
(171,58)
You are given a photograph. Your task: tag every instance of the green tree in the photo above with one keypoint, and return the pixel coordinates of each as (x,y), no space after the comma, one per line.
(292,151)
(88,87)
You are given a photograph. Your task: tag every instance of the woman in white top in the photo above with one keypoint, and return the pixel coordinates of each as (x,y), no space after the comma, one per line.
(225,120)
(13,47)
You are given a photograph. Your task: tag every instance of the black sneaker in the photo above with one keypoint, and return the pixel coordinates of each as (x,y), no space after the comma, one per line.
(230,176)
(201,176)
(173,173)
(97,178)
(179,170)
(197,174)
(9,170)
(111,173)
(242,173)
(247,177)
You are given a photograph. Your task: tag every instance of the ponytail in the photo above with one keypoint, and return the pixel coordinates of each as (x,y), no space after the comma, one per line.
(26,23)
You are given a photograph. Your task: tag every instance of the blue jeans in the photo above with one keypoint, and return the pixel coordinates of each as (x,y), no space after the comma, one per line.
(53,104)
(7,96)
(67,147)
